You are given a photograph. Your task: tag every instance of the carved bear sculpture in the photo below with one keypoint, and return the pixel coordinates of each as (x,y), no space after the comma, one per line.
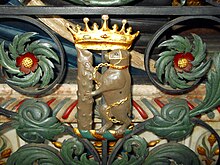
(115,87)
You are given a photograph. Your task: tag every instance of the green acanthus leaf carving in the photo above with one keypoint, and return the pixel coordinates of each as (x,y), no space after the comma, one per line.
(35,122)
(17,47)
(6,62)
(47,67)
(28,63)
(29,80)
(72,152)
(169,153)
(212,98)
(199,50)
(138,147)
(173,123)
(101,2)
(42,49)
(183,63)
(32,153)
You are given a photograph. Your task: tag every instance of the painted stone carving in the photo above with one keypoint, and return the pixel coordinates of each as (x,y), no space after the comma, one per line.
(85,84)
(115,83)
(115,86)
(35,122)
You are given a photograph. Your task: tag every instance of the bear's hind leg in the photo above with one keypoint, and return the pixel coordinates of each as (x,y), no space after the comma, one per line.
(126,123)
(104,116)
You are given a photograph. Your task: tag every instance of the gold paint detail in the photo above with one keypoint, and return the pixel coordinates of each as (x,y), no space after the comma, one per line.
(76,131)
(57,144)
(96,135)
(113,120)
(201,150)
(119,67)
(27,62)
(182,62)
(153,143)
(212,139)
(98,144)
(106,65)
(116,136)
(217,152)
(96,69)
(103,38)
(112,143)
(6,153)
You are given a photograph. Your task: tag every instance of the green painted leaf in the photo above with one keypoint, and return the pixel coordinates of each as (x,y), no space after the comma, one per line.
(121,161)
(173,45)
(17,47)
(198,50)
(196,73)
(161,63)
(13,47)
(38,44)
(33,45)
(13,52)
(72,152)
(30,153)
(163,154)
(28,80)
(185,41)
(176,81)
(6,62)
(177,43)
(49,53)
(36,122)
(137,146)
(212,98)
(23,39)
(85,161)
(60,105)
(167,71)
(47,70)
(173,123)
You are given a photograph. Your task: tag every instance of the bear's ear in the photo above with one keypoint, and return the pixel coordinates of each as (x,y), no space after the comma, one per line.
(85,52)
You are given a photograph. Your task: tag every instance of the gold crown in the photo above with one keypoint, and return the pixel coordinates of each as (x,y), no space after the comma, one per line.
(104,38)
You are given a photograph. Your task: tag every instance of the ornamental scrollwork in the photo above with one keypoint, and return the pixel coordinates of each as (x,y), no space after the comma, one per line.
(35,122)
(138,146)
(35,153)
(73,153)
(173,123)
(166,154)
